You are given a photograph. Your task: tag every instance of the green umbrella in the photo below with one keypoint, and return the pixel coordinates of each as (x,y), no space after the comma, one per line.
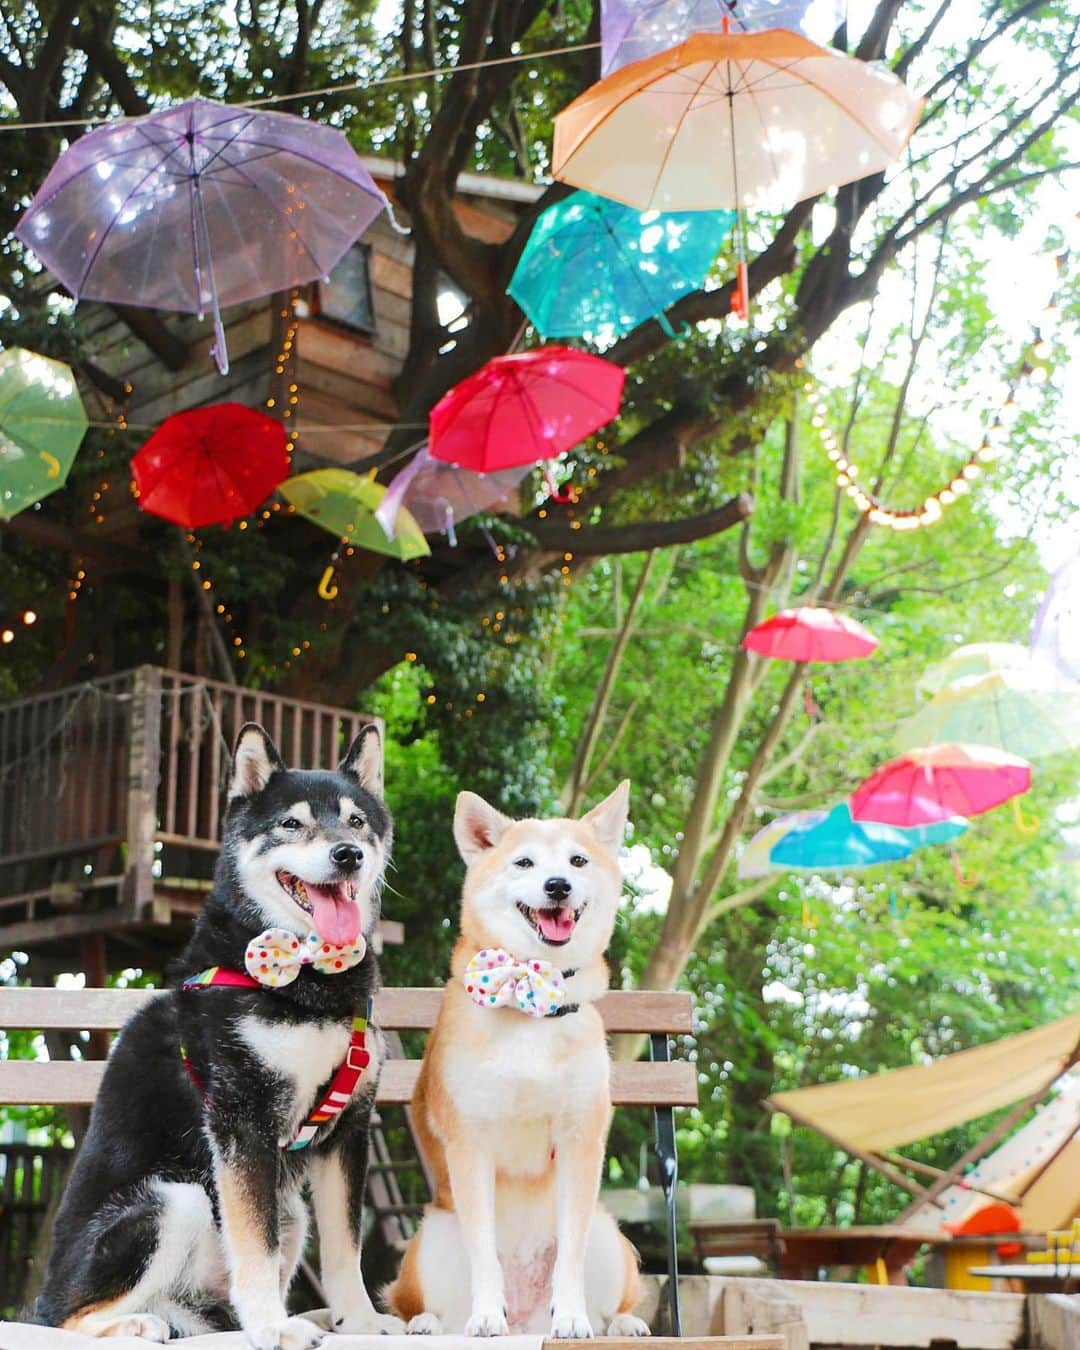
(977,658)
(344,503)
(42,423)
(1026,712)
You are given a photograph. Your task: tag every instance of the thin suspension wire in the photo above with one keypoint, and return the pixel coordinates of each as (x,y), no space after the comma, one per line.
(404,77)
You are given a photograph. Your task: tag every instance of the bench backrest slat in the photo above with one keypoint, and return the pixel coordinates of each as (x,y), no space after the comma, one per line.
(395,1009)
(68,1083)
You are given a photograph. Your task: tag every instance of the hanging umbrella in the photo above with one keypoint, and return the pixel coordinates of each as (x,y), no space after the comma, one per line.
(976,658)
(932,784)
(344,503)
(42,423)
(838,841)
(940,832)
(1024,712)
(210,465)
(440,496)
(810,634)
(754,859)
(526,407)
(198,207)
(633,29)
(1056,634)
(732,120)
(593,266)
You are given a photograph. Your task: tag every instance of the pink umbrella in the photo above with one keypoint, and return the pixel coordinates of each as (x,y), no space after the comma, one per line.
(938,782)
(440,496)
(526,407)
(810,634)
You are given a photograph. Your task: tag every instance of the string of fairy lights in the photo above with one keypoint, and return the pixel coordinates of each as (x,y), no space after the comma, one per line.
(1032,369)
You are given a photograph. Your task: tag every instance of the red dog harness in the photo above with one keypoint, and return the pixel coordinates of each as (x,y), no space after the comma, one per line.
(346,1076)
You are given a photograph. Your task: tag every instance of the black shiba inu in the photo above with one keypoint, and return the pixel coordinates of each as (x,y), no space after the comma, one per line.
(225,1094)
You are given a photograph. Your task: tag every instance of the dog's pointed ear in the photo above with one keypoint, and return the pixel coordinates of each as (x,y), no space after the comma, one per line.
(477,826)
(255,761)
(608,818)
(364,759)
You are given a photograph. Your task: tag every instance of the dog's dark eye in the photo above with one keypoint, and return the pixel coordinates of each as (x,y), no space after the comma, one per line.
(356,822)
(523,862)
(291,823)
(578,861)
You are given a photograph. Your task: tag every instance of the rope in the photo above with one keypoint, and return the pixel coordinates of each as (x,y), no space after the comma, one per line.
(434,72)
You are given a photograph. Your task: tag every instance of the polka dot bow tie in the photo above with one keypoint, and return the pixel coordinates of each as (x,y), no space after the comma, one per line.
(274,958)
(495,979)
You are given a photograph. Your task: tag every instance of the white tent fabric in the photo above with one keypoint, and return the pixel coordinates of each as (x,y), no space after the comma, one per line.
(897,1107)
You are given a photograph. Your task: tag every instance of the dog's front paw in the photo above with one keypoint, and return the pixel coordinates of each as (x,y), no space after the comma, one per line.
(295,1333)
(424,1324)
(570,1327)
(626,1324)
(487,1324)
(146,1325)
(372,1323)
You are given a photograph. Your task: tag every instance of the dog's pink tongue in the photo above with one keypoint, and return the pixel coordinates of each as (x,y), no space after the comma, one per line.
(336,917)
(556,924)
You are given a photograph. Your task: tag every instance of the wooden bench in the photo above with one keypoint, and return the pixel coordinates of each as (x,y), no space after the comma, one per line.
(658,1083)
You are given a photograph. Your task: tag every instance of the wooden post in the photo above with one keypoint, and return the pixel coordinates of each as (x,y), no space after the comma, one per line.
(143,769)
(92,959)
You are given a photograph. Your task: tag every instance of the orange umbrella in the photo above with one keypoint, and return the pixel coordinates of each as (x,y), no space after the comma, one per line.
(725,120)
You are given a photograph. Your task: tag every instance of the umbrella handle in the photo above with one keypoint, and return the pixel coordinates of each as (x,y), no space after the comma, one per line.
(1025,824)
(327,588)
(560,496)
(684,331)
(52,463)
(966,881)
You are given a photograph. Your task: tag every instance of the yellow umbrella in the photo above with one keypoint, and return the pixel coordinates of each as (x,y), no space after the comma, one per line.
(760,119)
(344,504)
(976,658)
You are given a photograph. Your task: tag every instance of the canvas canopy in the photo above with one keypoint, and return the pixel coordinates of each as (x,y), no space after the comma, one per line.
(887,1110)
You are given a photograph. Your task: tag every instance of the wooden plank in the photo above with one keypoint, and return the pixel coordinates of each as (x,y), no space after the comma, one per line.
(394,276)
(395,1009)
(767,1342)
(324,344)
(331,398)
(339,447)
(44,1082)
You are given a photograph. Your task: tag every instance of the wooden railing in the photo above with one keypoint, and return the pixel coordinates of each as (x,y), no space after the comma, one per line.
(99,781)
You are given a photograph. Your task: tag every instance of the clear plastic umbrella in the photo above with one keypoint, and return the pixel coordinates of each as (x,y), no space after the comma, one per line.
(199,207)
(633,29)
(440,496)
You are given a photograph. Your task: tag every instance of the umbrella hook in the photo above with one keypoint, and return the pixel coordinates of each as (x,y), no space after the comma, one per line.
(52,463)
(560,496)
(1025,824)
(327,588)
(684,329)
(966,881)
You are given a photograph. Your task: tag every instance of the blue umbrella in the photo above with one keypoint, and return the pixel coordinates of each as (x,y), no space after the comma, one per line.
(594,266)
(940,832)
(838,841)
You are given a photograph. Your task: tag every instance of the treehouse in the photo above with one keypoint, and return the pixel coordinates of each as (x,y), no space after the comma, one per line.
(348,336)
(111,796)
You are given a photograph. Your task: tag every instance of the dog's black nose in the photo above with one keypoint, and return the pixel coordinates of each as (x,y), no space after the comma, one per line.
(557,887)
(347,855)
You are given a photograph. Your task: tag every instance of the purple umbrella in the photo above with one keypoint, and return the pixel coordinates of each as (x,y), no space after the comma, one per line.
(632,29)
(440,495)
(199,207)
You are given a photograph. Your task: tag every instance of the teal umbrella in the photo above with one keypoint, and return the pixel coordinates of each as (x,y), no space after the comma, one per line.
(837,841)
(42,423)
(596,267)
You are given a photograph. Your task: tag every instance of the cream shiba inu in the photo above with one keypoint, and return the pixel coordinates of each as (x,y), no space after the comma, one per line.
(513,1101)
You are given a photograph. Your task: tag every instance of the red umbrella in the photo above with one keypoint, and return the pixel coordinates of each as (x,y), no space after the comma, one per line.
(937,782)
(523,408)
(210,465)
(810,635)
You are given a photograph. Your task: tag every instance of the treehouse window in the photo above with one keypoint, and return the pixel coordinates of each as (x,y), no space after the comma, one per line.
(345,297)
